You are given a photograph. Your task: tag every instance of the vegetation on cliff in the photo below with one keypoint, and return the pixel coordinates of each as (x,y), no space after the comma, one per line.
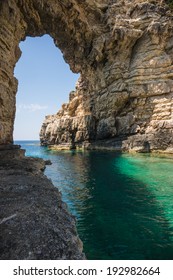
(170,3)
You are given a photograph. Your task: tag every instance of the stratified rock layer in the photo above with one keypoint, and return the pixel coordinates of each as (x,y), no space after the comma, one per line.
(124,97)
(34,222)
(123,51)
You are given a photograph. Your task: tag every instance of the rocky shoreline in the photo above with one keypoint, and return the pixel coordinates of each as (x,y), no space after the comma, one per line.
(135,143)
(34,222)
(123,100)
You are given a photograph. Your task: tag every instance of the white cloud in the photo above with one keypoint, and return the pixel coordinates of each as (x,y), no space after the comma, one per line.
(31,107)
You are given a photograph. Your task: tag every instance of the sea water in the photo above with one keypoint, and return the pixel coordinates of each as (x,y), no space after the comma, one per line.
(123,203)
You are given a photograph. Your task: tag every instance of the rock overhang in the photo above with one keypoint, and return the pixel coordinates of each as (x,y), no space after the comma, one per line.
(123,52)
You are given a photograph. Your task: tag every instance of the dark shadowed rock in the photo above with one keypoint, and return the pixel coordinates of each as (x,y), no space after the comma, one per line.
(34,222)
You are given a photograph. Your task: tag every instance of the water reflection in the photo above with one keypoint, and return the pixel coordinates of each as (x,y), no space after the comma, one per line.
(119,217)
(123,203)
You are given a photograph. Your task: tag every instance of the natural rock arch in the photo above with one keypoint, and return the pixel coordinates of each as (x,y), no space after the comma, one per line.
(18,19)
(122,50)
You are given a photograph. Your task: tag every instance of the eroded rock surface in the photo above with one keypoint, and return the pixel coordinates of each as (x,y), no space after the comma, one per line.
(125,93)
(34,222)
(123,51)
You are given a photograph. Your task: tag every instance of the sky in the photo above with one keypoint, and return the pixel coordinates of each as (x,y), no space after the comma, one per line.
(45,81)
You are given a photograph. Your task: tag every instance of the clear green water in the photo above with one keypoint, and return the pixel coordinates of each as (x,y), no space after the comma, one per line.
(123,203)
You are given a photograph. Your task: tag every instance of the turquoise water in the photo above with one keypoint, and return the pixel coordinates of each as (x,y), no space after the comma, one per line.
(123,203)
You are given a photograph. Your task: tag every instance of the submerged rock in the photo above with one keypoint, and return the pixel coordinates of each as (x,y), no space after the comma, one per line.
(48,162)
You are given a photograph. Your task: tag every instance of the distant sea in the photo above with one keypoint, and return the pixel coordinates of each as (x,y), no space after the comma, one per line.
(123,203)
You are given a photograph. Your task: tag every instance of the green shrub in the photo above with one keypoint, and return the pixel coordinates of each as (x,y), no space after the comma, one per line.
(170,3)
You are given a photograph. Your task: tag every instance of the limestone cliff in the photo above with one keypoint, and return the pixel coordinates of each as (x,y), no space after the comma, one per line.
(123,99)
(123,51)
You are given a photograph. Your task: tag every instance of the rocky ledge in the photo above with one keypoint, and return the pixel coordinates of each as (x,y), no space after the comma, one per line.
(34,222)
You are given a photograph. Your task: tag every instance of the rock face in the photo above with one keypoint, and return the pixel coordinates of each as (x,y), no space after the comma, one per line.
(34,222)
(123,51)
(123,99)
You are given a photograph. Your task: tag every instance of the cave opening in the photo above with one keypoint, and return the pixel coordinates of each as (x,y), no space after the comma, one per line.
(44,84)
